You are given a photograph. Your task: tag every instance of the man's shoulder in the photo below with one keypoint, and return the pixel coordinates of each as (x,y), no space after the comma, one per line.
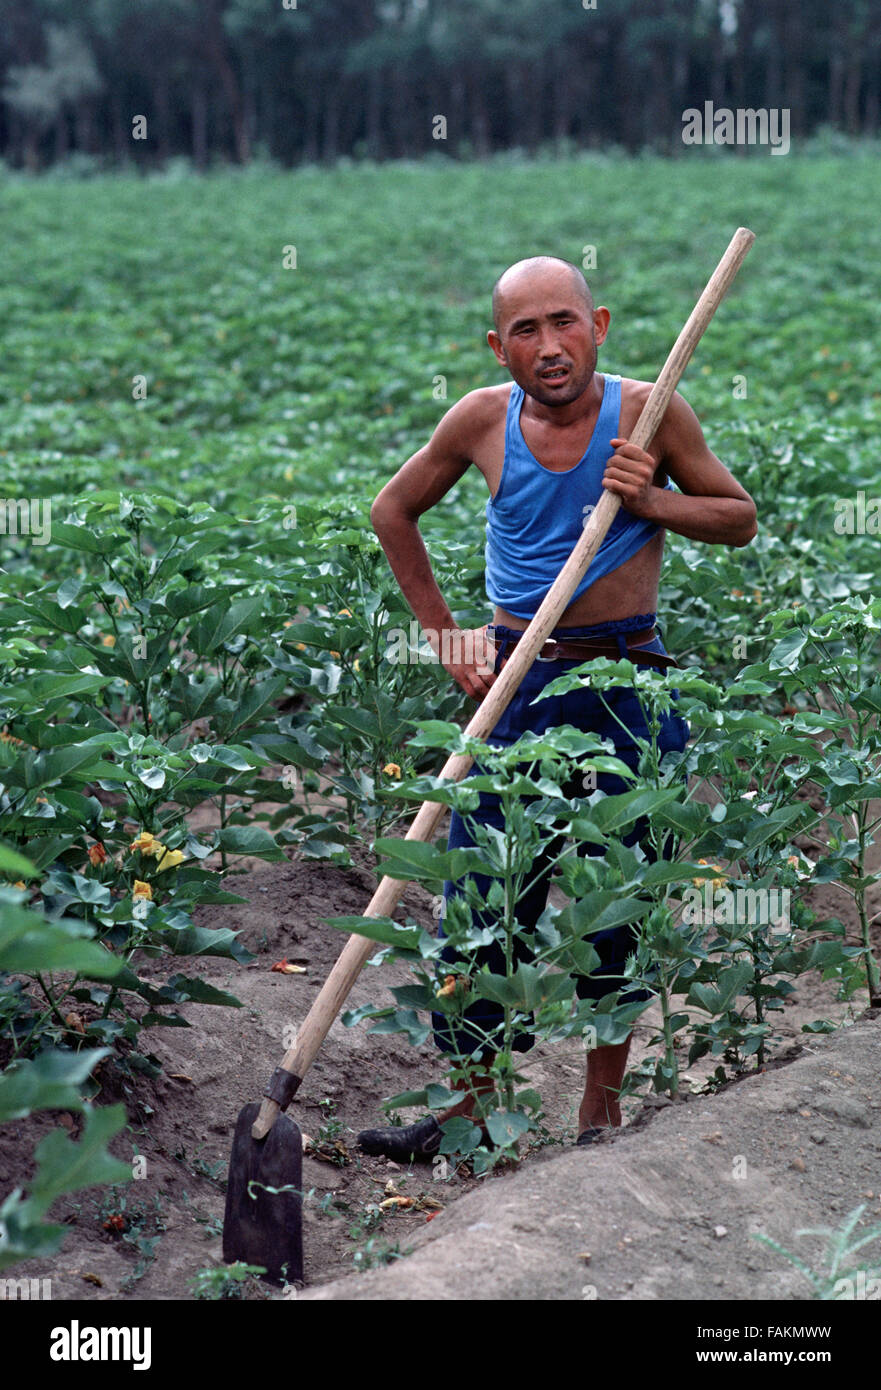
(474,416)
(635,394)
(635,391)
(485,406)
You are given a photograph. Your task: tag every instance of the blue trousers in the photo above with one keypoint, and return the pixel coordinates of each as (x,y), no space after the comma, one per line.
(584,709)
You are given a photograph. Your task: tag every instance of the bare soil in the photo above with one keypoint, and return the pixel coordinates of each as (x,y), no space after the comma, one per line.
(182,1122)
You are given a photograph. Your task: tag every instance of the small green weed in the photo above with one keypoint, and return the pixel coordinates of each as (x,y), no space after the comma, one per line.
(233,1281)
(379,1252)
(837,1281)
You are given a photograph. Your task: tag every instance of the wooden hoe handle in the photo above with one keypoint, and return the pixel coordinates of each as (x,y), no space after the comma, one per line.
(335,990)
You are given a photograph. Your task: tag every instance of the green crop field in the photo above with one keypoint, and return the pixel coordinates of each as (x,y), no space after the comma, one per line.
(205,382)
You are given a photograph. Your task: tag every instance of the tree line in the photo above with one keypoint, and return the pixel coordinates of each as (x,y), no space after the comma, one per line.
(309,80)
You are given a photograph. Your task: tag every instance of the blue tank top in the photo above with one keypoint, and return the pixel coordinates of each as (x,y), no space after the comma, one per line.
(536,516)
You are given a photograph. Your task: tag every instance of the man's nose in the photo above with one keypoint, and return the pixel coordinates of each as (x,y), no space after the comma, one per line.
(549,343)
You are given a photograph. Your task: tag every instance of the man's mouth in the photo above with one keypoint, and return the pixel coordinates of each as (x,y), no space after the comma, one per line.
(554,373)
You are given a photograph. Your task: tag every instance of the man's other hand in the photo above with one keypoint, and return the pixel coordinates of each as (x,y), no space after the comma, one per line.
(468,655)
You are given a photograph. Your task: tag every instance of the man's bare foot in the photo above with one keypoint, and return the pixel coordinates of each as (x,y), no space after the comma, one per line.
(600,1108)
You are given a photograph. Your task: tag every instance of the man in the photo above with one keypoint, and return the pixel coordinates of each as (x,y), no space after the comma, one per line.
(546,447)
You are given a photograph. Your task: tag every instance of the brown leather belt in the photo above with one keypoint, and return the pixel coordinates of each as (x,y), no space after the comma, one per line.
(588,648)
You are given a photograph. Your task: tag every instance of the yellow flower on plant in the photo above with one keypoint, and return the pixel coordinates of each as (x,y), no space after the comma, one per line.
(20,884)
(716,882)
(289,475)
(144,842)
(97,854)
(344,613)
(169,860)
(108,640)
(356,665)
(392,770)
(451,984)
(142,890)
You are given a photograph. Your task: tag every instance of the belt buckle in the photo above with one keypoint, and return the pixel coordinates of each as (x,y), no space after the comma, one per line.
(548,642)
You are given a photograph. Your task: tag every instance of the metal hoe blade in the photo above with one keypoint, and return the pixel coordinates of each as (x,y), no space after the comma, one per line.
(265,1228)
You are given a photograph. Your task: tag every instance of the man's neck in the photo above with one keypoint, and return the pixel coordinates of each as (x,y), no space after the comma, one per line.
(584,407)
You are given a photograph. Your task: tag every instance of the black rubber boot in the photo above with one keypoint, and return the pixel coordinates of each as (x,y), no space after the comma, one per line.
(421,1140)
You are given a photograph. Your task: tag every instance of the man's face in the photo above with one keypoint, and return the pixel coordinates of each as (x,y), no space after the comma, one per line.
(548,337)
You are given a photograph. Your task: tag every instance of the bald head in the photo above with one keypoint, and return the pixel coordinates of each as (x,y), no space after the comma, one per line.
(534,268)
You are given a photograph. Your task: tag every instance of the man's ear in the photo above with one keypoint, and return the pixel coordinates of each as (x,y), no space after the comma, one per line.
(601,320)
(495,343)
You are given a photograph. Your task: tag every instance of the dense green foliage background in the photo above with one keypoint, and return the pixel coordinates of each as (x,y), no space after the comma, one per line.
(319,381)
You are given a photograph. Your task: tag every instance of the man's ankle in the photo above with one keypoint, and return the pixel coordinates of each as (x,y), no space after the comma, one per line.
(600,1114)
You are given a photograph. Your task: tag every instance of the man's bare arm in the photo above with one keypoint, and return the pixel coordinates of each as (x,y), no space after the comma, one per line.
(418,485)
(712,506)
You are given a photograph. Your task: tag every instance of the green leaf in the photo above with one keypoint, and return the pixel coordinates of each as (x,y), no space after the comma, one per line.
(249,839)
(460,1135)
(224,621)
(201,992)
(381,929)
(68,591)
(183,602)
(414,860)
(50,1081)
(599,910)
(83,538)
(257,697)
(506,1126)
(152,777)
(205,941)
(439,1097)
(65,1165)
(405,1100)
(403,1021)
(729,983)
(31,945)
(788,650)
(361,720)
(528,988)
(611,813)
(61,762)
(413,996)
(13,863)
